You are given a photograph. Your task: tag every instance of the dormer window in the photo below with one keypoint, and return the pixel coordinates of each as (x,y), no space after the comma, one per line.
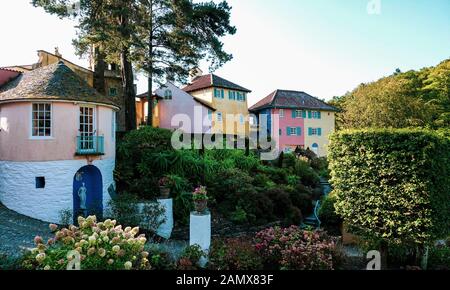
(167,95)
(113,92)
(41,126)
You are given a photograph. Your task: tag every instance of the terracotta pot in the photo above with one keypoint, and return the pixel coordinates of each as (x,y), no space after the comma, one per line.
(164,192)
(200,205)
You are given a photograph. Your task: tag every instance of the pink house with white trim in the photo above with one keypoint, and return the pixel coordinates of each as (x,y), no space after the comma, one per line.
(57,144)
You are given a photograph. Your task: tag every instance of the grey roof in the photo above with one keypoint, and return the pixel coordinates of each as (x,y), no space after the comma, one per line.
(53,82)
(211,80)
(291,99)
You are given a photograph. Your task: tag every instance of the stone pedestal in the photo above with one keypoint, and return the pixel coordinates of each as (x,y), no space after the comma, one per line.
(200,233)
(165,229)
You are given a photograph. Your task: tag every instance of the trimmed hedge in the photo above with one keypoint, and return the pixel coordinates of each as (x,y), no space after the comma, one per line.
(392,184)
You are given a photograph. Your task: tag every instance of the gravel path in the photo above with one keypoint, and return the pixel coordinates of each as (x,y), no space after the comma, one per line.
(17,232)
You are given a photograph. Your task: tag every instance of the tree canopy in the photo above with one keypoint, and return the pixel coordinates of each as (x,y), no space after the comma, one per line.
(404,99)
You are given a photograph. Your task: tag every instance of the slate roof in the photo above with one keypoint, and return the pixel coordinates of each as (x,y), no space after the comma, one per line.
(52,82)
(291,99)
(211,80)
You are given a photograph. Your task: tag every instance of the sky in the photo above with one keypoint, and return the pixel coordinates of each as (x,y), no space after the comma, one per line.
(323,47)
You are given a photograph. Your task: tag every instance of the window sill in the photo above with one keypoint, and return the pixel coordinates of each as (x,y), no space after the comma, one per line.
(41,138)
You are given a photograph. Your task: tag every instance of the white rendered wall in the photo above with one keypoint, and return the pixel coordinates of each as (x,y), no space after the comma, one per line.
(18,189)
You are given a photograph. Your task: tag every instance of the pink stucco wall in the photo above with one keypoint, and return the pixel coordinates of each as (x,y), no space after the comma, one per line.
(182,103)
(6,75)
(16,143)
(288,121)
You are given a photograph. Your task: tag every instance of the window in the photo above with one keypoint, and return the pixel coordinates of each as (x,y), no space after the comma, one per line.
(280,132)
(316,115)
(281,113)
(241,119)
(167,95)
(113,92)
(40,182)
(315,148)
(231,95)
(240,96)
(218,93)
(298,113)
(87,128)
(219,117)
(41,120)
(294,131)
(315,131)
(210,115)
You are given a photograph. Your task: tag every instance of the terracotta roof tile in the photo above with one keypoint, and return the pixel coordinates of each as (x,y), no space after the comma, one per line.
(52,82)
(211,80)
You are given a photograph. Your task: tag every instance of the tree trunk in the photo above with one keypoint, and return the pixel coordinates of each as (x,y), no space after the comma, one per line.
(128,91)
(99,71)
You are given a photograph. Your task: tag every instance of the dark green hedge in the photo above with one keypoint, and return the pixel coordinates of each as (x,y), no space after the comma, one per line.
(391,184)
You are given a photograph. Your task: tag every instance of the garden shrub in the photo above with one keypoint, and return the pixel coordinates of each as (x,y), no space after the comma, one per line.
(190,258)
(294,249)
(307,175)
(234,254)
(102,246)
(392,185)
(327,212)
(439,257)
(302,201)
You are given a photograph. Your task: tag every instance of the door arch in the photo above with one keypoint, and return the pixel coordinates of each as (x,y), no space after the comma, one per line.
(87,192)
(315,148)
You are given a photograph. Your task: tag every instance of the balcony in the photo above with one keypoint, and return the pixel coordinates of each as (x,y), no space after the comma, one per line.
(90,145)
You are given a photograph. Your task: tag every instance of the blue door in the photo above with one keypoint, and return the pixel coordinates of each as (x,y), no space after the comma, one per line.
(88,193)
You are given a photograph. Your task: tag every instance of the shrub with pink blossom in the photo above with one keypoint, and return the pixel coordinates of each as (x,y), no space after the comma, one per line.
(295,249)
(101,246)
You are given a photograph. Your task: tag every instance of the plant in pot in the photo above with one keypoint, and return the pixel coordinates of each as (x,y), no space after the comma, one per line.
(200,198)
(164,187)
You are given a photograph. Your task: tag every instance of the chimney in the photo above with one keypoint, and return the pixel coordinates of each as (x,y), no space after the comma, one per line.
(57,52)
(194,74)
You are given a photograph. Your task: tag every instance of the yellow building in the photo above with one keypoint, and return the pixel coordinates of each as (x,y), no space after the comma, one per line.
(113,81)
(229,100)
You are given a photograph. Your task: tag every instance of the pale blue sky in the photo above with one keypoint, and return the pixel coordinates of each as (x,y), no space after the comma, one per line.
(323,47)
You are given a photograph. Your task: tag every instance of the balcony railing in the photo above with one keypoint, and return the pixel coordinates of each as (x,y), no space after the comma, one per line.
(90,145)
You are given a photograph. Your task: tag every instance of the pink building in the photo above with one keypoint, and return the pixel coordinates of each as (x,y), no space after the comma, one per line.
(57,144)
(301,120)
(177,109)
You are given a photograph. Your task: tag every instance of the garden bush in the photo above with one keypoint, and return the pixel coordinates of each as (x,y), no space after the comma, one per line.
(327,212)
(234,254)
(101,245)
(294,249)
(392,185)
(439,257)
(190,258)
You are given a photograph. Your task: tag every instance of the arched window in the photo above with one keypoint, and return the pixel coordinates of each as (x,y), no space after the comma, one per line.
(168,95)
(315,148)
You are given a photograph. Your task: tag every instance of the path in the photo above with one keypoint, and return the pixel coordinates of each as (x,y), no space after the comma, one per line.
(17,231)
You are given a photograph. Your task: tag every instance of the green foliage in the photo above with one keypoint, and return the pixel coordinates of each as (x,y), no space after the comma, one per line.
(414,98)
(439,257)
(327,212)
(239,186)
(234,254)
(101,245)
(190,258)
(392,185)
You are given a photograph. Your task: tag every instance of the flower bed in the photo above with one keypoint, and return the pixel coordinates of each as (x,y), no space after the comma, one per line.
(102,246)
(294,249)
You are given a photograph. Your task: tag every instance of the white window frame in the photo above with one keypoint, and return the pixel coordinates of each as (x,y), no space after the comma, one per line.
(281,113)
(51,122)
(94,118)
(315,114)
(314,132)
(298,114)
(241,119)
(292,131)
